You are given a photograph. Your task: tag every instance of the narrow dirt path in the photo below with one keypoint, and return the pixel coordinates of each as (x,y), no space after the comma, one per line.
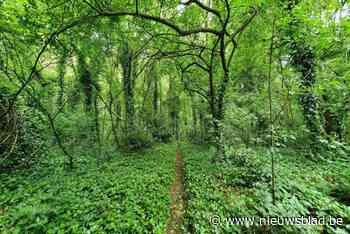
(178,199)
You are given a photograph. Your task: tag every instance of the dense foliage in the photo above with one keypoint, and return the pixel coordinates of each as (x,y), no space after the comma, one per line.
(232,189)
(127,194)
(95,93)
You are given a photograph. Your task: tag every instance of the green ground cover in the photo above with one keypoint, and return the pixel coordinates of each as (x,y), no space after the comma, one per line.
(239,186)
(127,194)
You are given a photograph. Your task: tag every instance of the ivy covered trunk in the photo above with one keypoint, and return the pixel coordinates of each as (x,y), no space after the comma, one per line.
(303,60)
(61,73)
(174,105)
(218,117)
(155,107)
(86,82)
(126,60)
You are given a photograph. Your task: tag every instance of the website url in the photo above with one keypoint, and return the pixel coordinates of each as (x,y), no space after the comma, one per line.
(274,221)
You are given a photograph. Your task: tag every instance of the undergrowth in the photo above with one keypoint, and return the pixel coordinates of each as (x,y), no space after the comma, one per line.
(239,186)
(128,194)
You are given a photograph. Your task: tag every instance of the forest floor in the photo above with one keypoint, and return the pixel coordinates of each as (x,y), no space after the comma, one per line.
(155,192)
(227,197)
(178,199)
(126,193)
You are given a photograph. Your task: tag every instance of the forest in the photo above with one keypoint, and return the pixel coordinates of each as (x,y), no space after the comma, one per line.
(175,116)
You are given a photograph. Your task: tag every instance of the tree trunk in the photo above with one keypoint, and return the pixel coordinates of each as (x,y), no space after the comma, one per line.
(86,83)
(303,59)
(126,60)
(97,126)
(155,119)
(61,73)
(174,103)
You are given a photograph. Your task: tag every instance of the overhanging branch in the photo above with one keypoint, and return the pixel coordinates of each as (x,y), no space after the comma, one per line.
(88,19)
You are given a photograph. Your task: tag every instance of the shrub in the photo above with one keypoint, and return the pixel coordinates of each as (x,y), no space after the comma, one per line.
(160,130)
(21,138)
(243,168)
(136,140)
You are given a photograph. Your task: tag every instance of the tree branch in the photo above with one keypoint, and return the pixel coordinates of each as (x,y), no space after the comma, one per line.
(245,23)
(87,19)
(204,7)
